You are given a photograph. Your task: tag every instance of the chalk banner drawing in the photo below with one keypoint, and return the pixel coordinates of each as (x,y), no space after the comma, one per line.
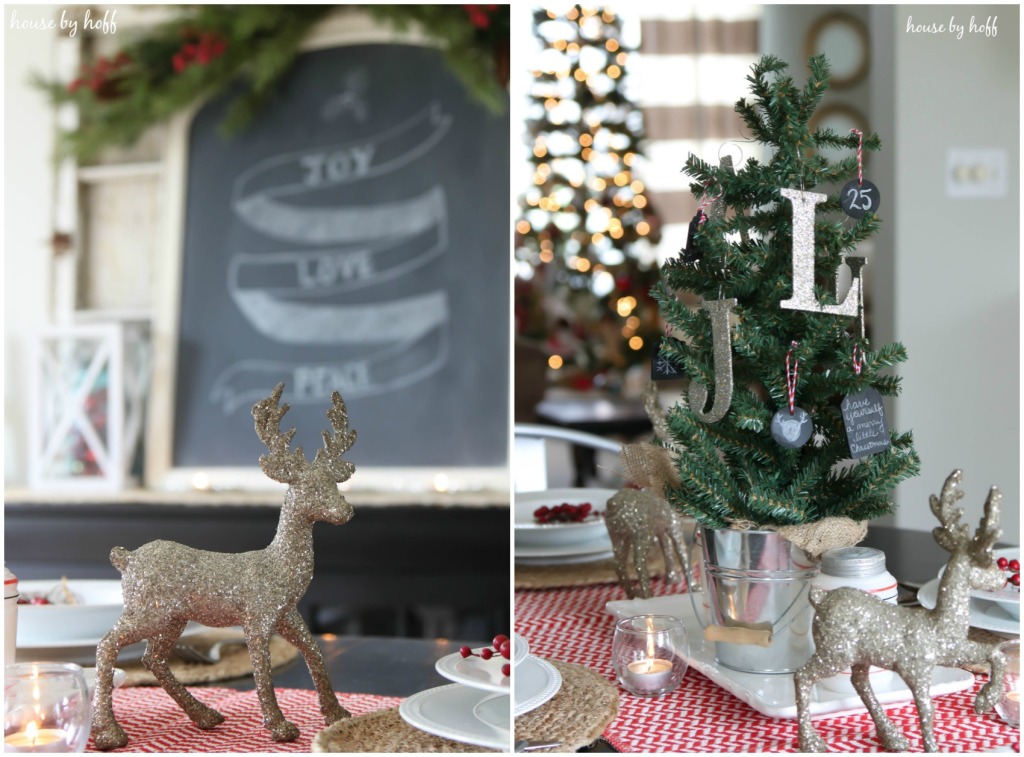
(349,242)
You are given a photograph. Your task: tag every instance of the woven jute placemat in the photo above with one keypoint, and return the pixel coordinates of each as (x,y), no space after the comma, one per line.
(577,715)
(384,731)
(234,660)
(578,574)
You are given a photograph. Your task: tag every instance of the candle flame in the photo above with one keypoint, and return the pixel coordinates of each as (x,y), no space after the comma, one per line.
(32,732)
(649,621)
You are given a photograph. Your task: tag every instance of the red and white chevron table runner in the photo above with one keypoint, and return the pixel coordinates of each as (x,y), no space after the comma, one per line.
(154,723)
(571,625)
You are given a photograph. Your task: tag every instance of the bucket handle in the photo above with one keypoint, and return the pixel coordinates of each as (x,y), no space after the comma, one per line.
(759,636)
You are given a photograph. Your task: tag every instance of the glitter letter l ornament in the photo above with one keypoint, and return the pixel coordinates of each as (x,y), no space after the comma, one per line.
(854,629)
(721,336)
(803,261)
(166,584)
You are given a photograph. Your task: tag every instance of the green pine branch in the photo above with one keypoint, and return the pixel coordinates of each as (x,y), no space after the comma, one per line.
(733,470)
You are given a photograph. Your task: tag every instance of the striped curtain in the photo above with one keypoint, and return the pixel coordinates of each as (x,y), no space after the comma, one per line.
(691,69)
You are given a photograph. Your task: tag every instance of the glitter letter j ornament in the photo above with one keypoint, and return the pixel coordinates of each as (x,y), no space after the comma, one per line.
(166,584)
(721,336)
(803,261)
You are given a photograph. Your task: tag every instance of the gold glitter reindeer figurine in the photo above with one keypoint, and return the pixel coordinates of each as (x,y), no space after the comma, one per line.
(166,584)
(853,629)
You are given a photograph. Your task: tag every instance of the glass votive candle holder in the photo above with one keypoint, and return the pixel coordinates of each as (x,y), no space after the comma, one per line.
(1008,705)
(46,708)
(649,654)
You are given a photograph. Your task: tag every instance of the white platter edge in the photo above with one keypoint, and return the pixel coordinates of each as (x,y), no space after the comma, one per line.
(494,739)
(740,685)
(551,688)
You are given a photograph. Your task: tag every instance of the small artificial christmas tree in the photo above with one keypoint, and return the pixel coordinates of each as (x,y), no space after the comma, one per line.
(586,214)
(786,354)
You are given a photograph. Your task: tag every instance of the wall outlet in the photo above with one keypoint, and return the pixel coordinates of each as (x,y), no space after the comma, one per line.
(977,171)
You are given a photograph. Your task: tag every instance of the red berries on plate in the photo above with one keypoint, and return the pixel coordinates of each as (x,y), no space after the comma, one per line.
(1013,568)
(564,513)
(500,645)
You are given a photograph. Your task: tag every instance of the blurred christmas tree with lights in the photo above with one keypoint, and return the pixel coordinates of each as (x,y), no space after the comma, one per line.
(585,264)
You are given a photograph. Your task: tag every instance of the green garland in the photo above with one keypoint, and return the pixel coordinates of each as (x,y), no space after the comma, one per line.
(165,71)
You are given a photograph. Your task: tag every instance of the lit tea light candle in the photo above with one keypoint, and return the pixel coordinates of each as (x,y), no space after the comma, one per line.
(1008,706)
(649,674)
(1010,709)
(36,739)
(649,654)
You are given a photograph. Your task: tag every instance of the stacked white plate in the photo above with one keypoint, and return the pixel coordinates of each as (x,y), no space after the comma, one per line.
(70,632)
(475,709)
(560,543)
(536,679)
(997,611)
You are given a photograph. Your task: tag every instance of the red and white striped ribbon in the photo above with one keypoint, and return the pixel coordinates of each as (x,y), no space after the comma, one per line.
(791,377)
(860,155)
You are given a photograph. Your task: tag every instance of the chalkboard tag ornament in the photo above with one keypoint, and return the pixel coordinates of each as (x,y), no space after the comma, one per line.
(792,426)
(858,196)
(867,430)
(792,429)
(662,367)
(692,253)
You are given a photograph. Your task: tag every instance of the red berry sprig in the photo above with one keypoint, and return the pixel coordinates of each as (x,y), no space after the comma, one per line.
(1012,567)
(564,513)
(201,51)
(501,645)
(103,77)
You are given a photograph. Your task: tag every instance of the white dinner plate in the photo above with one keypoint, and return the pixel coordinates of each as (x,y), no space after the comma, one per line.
(474,671)
(1009,595)
(600,545)
(98,608)
(530,533)
(83,651)
(773,695)
(984,614)
(494,711)
(520,649)
(536,681)
(447,711)
(574,560)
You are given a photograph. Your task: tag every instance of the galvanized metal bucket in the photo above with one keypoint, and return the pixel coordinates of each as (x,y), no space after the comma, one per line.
(756,586)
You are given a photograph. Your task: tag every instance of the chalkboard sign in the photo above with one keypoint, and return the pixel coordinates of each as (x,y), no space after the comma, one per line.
(864,417)
(353,238)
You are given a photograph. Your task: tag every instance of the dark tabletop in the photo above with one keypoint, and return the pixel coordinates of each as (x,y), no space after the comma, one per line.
(368,665)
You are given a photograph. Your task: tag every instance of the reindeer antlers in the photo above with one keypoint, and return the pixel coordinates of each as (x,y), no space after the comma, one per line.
(285,466)
(336,444)
(950,535)
(988,532)
(953,535)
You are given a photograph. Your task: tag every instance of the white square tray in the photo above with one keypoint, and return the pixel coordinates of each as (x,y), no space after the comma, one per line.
(773,695)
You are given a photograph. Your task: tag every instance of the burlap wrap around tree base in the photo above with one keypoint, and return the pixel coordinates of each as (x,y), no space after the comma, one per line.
(577,715)
(384,731)
(234,660)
